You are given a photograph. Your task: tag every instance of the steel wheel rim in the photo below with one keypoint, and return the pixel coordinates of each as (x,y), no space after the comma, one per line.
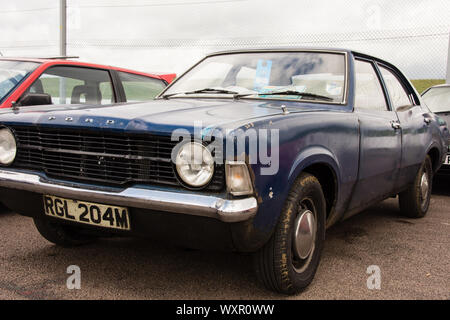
(424,187)
(304,236)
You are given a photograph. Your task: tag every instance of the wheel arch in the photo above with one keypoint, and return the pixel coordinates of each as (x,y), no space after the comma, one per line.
(322,164)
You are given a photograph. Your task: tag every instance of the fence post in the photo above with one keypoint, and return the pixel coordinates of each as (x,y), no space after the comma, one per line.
(62,27)
(62,46)
(448,60)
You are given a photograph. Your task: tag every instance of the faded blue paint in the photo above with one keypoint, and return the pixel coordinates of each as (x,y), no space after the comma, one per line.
(369,160)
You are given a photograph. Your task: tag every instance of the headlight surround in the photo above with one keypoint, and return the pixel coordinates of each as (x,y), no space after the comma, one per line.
(8,147)
(238,178)
(194,164)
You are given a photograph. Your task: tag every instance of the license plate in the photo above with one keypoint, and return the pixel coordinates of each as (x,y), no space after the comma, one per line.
(95,214)
(447,159)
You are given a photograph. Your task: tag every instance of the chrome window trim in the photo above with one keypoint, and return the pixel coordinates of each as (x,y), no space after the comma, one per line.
(346,73)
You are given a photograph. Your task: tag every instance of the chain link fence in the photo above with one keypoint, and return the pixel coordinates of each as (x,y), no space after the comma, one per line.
(421,51)
(396,46)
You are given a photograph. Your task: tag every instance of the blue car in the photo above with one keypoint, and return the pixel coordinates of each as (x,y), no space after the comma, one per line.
(256,151)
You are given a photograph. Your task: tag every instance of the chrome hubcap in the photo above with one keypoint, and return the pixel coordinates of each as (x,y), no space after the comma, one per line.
(304,234)
(424,186)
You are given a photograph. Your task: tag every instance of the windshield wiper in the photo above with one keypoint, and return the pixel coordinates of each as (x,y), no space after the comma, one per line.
(205,90)
(296,93)
(212,90)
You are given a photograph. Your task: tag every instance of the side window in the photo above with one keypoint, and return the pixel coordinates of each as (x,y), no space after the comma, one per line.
(368,91)
(140,88)
(75,85)
(397,94)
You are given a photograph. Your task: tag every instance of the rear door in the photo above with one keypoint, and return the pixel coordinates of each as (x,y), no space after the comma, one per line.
(415,124)
(380,137)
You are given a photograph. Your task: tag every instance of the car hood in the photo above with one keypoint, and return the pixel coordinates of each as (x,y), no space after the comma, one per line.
(154,116)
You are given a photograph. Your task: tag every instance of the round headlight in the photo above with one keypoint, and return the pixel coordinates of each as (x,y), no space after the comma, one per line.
(8,147)
(195,164)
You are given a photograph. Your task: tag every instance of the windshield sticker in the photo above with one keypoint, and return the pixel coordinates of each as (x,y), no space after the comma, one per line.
(333,89)
(262,76)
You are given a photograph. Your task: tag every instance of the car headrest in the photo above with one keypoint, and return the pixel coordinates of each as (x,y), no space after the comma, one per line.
(92,94)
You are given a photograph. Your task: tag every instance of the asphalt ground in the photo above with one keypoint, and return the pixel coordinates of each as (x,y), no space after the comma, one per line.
(413,256)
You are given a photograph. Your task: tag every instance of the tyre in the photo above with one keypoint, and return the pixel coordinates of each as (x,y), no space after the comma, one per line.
(62,235)
(288,262)
(414,201)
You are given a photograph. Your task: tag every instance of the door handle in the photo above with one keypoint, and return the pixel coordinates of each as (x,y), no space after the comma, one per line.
(396,125)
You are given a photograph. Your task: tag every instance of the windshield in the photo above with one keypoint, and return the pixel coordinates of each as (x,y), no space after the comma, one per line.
(438,99)
(314,76)
(12,73)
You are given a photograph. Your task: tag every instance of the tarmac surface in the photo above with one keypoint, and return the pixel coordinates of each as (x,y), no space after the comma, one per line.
(413,256)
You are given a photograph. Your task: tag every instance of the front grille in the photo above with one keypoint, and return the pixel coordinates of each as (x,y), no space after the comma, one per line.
(104,158)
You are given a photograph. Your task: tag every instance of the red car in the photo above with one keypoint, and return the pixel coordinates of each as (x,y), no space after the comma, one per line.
(26,81)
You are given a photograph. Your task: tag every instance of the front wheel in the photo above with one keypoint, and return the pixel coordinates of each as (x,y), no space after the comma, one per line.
(414,201)
(288,262)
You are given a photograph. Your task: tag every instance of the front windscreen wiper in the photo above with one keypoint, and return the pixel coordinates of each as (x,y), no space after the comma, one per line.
(205,90)
(296,93)
(212,90)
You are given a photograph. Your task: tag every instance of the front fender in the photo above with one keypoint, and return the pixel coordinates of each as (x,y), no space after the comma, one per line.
(251,235)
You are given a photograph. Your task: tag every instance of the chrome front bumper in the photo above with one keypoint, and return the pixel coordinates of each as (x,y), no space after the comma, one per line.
(159,200)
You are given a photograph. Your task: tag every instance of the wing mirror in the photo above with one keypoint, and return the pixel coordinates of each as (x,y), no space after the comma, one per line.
(35,99)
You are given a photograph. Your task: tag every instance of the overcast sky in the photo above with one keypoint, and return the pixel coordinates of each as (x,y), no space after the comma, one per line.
(171,35)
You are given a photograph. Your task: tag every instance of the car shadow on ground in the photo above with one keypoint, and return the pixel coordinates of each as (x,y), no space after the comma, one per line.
(441,185)
(136,268)
(3,209)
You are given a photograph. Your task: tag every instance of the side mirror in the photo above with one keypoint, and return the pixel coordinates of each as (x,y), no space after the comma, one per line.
(35,99)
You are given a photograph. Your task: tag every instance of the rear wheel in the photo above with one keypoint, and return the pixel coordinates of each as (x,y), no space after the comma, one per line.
(62,235)
(288,262)
(414,201)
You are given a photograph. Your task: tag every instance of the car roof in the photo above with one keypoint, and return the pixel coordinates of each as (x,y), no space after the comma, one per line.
(277,49)
(50,61)
(444,85)
(322,49)
(325,49)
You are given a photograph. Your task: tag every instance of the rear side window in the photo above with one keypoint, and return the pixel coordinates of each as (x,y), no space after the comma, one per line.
(75,85)
(397,94)
(140,88)
(368,91)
